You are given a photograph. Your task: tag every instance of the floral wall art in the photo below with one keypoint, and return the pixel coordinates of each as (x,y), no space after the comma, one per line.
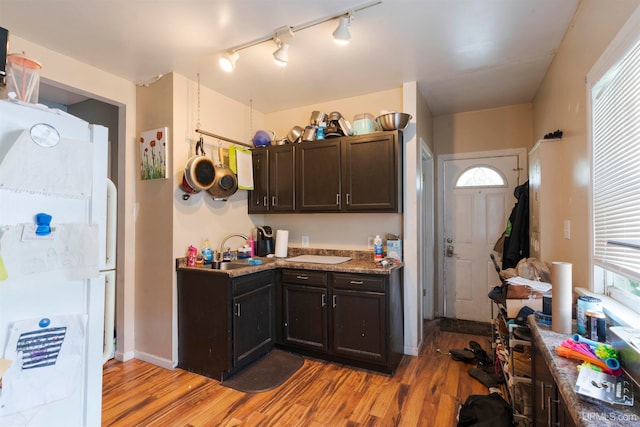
(153,154)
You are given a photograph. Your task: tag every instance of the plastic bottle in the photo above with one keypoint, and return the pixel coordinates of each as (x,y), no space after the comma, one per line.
(191,256)
(377,248)
(252,245)
(207,253)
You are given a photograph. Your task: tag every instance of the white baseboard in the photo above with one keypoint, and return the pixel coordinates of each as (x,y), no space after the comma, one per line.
(155,360)
(123,357)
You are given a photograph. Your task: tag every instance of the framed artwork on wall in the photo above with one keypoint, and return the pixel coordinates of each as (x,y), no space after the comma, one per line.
(153,153)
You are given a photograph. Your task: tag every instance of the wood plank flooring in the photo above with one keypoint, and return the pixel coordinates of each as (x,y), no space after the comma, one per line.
(425,391)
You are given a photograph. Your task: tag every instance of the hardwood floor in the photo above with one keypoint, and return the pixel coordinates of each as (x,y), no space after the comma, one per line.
(425,391)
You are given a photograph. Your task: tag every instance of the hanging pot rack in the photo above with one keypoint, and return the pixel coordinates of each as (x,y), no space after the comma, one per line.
(223,138)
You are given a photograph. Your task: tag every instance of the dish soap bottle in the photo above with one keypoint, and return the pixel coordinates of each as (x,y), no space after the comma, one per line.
(377,248)
(207,253)
(252,245)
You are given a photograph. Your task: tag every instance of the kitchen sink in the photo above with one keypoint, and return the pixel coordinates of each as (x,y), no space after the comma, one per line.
(241,263)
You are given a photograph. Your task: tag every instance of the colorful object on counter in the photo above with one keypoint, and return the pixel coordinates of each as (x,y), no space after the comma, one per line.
(43,221)
(582,351)
(192,254)
(207,253)
(603,351)
(253,261)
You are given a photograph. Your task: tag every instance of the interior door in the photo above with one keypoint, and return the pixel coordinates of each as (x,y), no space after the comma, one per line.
(478,197)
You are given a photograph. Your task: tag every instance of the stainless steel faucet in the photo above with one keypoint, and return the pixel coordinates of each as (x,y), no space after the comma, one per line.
(230,236)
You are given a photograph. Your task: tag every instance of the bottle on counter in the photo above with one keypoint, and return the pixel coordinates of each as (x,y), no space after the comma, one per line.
(207,253)
(252,245)
(377,248)
(191,256)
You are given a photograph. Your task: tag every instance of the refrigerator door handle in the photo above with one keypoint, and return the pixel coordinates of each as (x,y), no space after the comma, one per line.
(112,225)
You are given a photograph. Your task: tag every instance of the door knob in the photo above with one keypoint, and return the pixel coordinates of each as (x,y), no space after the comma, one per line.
(449,251)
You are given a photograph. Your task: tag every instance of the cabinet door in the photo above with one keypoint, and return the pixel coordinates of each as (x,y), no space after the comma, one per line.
(371,173)
(259,196)
(282,178)
(253,323)
(204,344)
(319,176)
(305,316)
(545,392)
(359,324)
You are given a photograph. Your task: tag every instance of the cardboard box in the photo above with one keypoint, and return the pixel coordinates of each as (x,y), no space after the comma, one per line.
(394,249)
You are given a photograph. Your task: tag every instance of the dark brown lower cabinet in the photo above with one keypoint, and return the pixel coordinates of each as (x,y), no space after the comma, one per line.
(224,323)
(355,319)
(549,409)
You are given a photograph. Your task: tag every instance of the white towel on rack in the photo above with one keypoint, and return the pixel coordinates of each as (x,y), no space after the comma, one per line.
(64,170)
(242,166)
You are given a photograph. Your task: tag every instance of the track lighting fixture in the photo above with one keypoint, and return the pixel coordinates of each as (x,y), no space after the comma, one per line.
(228,61)
(281,56)
(341,35)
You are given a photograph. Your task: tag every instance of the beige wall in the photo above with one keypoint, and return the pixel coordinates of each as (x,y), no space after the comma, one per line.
(166,224)
(483,130)
(154,233)
(66,72)
(561,104)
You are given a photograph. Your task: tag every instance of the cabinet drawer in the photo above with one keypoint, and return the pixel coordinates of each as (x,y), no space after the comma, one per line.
(244,284)
(305,277)
(357,281)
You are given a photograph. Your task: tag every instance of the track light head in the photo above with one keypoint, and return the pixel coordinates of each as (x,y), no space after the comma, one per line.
(281,55)
(228,61)
(342,35)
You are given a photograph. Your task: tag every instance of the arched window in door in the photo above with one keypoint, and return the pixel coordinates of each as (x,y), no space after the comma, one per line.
(481,176)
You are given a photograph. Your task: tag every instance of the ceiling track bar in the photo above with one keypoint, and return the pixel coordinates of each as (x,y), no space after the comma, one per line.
(232,141)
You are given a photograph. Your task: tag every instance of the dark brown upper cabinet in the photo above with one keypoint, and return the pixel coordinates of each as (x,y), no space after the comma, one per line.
(273,180)
(349,174)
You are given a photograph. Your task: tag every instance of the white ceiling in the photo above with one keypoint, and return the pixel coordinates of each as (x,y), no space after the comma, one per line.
(465,54)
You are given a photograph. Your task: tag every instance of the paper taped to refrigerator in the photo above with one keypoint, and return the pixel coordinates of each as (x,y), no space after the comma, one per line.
(47,356)
(64,170)
(70,248)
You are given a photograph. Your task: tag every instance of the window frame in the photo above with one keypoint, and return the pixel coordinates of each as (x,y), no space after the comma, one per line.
(481,166)
(626,39)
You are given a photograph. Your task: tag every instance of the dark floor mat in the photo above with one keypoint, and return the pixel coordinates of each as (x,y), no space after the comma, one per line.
(465,327)
(266,373)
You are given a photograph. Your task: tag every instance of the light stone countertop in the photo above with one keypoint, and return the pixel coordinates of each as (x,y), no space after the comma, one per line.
(361,263)
(565,373)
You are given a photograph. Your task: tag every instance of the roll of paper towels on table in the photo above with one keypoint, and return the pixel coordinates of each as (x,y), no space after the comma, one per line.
(561,297)
(282,241)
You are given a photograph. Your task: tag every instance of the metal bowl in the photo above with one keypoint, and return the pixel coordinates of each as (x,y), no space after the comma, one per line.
(393,121)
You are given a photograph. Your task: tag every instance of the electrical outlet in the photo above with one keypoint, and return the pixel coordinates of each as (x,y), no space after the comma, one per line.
(305,241)
(370,242)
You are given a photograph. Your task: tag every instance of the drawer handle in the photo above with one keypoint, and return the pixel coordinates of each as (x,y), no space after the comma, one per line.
(338,199)
(356,282)
(324,300)
(334,300)
(238,309)
(273,200)
(265,201)
(302,277)
(348,199)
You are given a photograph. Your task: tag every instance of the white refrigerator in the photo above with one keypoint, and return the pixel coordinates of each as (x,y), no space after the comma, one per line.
(54,256)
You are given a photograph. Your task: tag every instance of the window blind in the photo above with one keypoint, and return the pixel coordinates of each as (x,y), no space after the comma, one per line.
(615,101)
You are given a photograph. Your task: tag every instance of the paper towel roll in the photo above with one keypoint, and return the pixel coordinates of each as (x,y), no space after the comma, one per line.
(561,296)
(282,241)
